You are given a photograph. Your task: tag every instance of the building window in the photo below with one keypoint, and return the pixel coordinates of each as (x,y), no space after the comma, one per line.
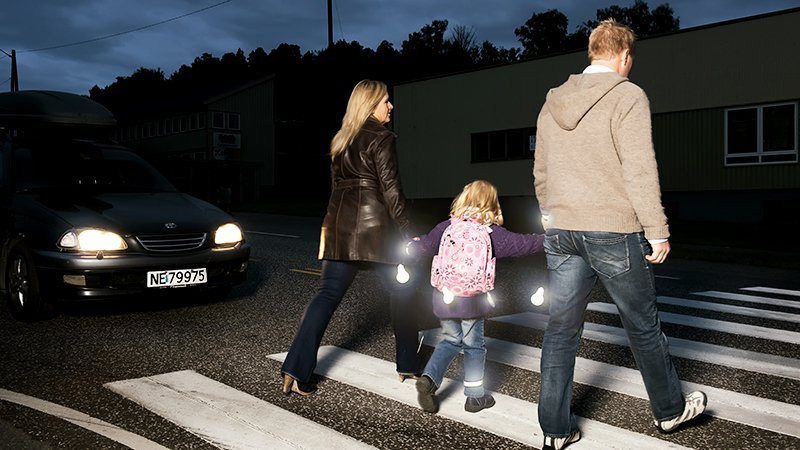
(763,134)
(233,121)
(503,145)
(217,120)
(182,123)
(201,120)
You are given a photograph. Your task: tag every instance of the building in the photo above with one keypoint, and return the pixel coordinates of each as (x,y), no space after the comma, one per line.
(221,148)
(724,100)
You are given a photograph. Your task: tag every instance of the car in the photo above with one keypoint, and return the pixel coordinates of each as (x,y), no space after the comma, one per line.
(84,218)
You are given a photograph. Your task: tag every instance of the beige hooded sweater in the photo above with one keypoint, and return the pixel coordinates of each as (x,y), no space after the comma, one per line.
(595,167)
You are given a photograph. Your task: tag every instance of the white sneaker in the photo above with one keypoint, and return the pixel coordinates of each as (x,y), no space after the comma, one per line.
(695,405)
(551,443)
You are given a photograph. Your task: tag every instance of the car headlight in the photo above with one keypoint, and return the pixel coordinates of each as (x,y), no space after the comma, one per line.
(228,234)
(92,240)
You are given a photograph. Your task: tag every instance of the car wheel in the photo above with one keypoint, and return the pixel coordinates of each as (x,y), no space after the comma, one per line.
(24,297)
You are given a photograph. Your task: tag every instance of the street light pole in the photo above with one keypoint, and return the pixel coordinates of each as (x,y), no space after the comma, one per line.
(14,77)
(14,87)
(330,24)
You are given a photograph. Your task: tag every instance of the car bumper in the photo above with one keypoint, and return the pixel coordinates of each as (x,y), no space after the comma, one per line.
(82,277)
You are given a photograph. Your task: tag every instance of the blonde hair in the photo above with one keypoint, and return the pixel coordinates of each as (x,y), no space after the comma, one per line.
(609,38)
(478,198)
(366,96)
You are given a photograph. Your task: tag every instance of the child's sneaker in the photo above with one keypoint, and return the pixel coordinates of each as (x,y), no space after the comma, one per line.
(695,405)
(554,443)
(425,394)
(475,404)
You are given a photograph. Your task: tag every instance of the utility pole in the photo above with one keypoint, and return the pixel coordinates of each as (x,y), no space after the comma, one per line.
(330,24)
(14,78)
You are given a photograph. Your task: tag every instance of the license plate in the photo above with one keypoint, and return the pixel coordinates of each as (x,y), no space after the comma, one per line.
(175,278)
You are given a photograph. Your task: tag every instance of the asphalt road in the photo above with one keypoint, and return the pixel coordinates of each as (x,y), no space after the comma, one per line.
(190,373)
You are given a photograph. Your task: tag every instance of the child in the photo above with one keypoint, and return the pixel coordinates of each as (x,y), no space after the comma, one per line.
(462,317)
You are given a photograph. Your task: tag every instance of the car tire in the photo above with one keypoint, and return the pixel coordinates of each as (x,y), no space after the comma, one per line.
(23,294)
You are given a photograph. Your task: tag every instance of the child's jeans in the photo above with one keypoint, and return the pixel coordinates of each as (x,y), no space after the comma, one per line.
(458,335)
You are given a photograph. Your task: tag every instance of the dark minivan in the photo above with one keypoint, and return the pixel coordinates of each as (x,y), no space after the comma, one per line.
(83,218)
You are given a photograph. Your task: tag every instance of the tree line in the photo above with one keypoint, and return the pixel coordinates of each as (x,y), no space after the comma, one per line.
(425,53)
(313,86)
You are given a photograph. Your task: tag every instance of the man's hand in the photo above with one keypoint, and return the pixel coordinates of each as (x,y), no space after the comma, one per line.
(659,254)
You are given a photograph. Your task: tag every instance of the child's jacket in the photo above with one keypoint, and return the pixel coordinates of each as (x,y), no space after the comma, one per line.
(505,244)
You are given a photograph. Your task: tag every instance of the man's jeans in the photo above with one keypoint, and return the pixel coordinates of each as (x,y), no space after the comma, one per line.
(457,335)
(337,276)
(575,260)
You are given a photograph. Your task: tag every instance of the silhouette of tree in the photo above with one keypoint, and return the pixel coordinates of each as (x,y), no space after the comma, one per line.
(132,93)
(543,33)
(640,18)
(547,32)
(488,54)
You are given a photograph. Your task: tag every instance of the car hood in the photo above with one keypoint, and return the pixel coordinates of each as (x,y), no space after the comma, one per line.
(135,213)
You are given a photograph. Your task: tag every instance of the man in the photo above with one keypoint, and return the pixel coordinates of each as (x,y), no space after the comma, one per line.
(597,185)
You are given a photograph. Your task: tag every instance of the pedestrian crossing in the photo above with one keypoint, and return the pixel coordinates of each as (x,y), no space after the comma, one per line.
(231,419)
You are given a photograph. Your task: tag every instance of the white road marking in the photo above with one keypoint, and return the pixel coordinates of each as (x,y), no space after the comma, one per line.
(750,298)
(228,418)
(731,309)
(80,419)
(264,233)
(667,277)
(511,417)
(764,363)
(769,290)
(742,329)
(740,408)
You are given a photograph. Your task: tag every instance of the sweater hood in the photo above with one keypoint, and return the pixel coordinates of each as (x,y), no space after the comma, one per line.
(570,102)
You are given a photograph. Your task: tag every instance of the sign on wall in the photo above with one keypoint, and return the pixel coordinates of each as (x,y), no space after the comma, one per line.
(224,143)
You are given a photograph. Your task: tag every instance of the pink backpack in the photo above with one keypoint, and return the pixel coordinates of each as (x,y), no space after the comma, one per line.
(464,264)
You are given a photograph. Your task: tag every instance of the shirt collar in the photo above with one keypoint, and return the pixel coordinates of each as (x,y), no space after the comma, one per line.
(597,68)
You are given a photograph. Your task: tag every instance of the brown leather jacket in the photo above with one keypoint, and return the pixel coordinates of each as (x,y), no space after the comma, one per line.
(366,218)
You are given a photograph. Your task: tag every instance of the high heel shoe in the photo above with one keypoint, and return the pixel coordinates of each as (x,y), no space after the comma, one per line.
(290,384)
(404,377)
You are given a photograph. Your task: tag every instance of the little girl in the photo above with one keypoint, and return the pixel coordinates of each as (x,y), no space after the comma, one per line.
(462,317)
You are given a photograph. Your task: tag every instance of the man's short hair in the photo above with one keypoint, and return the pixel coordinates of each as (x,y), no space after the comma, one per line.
(609,38)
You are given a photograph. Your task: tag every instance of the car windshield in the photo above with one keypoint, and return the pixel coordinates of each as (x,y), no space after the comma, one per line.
(85,167)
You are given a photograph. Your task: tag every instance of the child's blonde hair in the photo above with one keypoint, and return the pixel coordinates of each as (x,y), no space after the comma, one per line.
(479,199)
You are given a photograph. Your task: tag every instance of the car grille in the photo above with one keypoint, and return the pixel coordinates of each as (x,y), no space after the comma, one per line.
(171,243)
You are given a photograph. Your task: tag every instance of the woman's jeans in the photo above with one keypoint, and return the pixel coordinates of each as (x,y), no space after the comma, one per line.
(575,260)
(337,276)
(458,335)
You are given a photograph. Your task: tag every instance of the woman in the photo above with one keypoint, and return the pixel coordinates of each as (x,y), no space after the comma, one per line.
(365,225)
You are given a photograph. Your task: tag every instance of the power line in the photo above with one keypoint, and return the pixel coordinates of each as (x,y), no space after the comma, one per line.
(339,19)
(124,32)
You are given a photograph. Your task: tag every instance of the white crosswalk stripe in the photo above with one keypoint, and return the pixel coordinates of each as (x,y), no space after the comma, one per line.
(770,290)
(791,337)
(731,309)
(228,418)
(755,298)
(716,354)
